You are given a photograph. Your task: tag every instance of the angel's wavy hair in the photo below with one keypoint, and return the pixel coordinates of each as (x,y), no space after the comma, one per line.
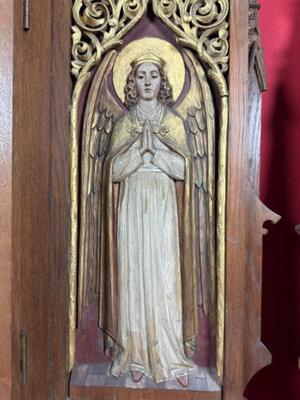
(165,95)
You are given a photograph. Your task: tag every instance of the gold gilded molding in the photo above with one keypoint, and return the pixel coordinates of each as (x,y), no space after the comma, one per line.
(199,25)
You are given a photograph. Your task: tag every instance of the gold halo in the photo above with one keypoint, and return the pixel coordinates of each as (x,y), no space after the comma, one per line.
(174,63)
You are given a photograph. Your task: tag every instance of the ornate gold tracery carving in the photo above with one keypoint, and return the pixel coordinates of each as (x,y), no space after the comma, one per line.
(199,25)
(99,27)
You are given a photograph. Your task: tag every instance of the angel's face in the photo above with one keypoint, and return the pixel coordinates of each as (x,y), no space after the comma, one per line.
(147,80)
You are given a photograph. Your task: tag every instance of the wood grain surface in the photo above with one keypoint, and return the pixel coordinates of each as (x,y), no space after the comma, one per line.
(59,200)
(41,196)
(6,119)
(31,171)
(234,369)
(244,352)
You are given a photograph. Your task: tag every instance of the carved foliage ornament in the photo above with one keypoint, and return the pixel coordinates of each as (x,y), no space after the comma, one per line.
(199,24)
(100,26)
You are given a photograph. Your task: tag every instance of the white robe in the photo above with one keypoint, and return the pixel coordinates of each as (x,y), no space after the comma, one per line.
(149,276)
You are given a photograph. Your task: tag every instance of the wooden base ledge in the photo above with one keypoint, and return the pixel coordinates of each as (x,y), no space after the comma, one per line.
(113,393)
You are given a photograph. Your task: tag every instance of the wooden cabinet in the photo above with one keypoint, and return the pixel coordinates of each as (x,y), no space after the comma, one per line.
(35,200)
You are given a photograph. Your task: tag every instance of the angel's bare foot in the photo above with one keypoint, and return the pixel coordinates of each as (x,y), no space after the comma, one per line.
(136,376)
(183,380)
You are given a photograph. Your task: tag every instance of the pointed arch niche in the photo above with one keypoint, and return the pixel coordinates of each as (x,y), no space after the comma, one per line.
(61,343)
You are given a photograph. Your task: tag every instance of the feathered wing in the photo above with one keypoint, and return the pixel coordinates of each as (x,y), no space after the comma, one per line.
(197,110)
(101,113)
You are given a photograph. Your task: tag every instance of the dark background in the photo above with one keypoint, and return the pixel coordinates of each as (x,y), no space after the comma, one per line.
(280,191)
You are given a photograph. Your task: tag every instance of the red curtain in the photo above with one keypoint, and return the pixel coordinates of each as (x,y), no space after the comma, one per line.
(280,191)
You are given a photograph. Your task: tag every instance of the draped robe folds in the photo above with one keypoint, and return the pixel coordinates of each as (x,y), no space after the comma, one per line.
(123,163)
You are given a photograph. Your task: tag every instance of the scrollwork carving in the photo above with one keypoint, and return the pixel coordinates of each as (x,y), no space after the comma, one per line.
(217,46)
(206,14)
(200,25)
(82,50)
(100,26)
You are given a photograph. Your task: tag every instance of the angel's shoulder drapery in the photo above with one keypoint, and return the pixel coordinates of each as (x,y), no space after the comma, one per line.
(170,130)
(121,134)
(176,132)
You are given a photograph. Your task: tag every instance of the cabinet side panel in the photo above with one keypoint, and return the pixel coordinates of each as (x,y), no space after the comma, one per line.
(244,352)
(32,138)
(6,81)
(59,199)
(236,366)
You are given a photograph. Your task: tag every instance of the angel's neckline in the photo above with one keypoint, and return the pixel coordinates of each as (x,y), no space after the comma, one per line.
(154,116)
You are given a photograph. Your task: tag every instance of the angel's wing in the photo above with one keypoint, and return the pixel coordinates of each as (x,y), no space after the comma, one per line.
(101,113)
(197,109)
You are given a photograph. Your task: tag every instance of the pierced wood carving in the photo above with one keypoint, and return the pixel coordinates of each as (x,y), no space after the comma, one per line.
(256,56)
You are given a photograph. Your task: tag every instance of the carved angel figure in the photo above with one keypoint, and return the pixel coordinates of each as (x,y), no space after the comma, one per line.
(147,236)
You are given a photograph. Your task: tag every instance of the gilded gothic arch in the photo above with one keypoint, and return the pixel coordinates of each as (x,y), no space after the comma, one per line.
(200,27)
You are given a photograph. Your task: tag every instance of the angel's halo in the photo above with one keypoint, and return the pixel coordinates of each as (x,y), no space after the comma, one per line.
(174,66)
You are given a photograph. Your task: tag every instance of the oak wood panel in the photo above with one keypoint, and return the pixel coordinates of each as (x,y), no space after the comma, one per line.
(31,169)
(59,199)
(254,129)
(234,368)
(41,197)
(6,104)
(244,352)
